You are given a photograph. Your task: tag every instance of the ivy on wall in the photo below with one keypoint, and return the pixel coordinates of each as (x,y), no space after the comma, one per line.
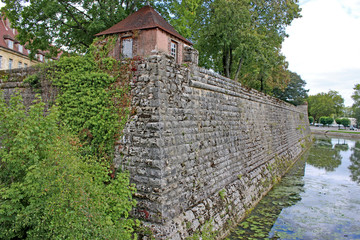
(48,190)
(94,99)
(57,180)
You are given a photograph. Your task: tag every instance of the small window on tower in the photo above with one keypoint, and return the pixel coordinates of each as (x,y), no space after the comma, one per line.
(174,49)
(127,48)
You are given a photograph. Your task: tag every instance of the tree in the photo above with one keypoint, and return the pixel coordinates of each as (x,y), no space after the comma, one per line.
(185,13)
(294,93)
(338,102)
(311,119)
(325,104)
(69,24)
(48,190)
(346,122)
(322,120)
(242,40)
(329,120)
(348,112)
(356,105)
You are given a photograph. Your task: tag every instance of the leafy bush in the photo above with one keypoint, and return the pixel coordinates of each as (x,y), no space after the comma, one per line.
(50,191)
(322,120)
(346,122)
(311,119)
(329,120)
(326,120)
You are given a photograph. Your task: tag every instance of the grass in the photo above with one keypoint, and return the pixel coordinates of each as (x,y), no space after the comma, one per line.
(343,131)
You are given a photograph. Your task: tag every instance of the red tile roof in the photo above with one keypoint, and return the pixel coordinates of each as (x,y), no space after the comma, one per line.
(145,18)
(8,33)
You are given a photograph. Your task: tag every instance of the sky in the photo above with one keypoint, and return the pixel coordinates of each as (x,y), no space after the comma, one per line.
(323,46)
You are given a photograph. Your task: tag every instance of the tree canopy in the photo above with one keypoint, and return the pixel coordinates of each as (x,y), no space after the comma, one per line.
(295,92)
(239,39)
(48,189)
(70,23)
(325,104)
(242,40)
(356,106)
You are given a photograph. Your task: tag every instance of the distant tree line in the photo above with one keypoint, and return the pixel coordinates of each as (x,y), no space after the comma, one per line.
(326,107)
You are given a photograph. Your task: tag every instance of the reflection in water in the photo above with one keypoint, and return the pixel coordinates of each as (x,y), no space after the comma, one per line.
(324,156)
(355,163)
(316,200)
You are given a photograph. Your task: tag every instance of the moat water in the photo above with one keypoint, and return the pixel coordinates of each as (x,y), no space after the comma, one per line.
(319,198)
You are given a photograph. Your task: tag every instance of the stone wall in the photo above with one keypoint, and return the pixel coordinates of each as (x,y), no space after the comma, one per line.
(12,80)
(203,149)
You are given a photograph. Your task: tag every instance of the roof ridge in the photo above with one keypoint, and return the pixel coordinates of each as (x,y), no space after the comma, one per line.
(144,18)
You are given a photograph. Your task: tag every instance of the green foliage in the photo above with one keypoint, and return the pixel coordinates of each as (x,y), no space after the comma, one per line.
(294,93)
(311,119)
(338,121)
(322,120)
(346,122)
(222,194)
(329,120)
(326,120)
(343,121)
(242,39)
(259,222)
(356,106)
(92,103)
(207,233)
(72,24)
(325,104)
(50,191)
(185,14)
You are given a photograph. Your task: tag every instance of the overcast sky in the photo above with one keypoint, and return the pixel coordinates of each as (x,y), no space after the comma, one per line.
(323,46)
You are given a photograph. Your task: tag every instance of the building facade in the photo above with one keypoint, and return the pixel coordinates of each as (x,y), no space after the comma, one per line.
(12,53)
(146,31)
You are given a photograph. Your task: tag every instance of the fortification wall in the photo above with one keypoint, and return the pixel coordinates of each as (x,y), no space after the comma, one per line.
(13,80)
(203,149)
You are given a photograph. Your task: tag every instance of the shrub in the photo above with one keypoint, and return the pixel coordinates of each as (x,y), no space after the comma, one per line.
(346,122)
(48,190)
(311,119)
(322,120)
(329,120)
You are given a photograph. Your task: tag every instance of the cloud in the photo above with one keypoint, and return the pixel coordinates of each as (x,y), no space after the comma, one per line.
(323,46)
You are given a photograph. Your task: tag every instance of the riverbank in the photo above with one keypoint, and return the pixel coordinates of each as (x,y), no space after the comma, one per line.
(331,131)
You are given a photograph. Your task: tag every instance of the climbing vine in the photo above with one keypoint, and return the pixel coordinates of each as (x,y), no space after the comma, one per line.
(57,180)
(48,190)
(95,97)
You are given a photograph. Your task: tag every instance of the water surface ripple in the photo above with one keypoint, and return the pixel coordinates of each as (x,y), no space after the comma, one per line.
(318,199)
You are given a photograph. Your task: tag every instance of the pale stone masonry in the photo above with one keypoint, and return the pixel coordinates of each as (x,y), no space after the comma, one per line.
(202,148)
